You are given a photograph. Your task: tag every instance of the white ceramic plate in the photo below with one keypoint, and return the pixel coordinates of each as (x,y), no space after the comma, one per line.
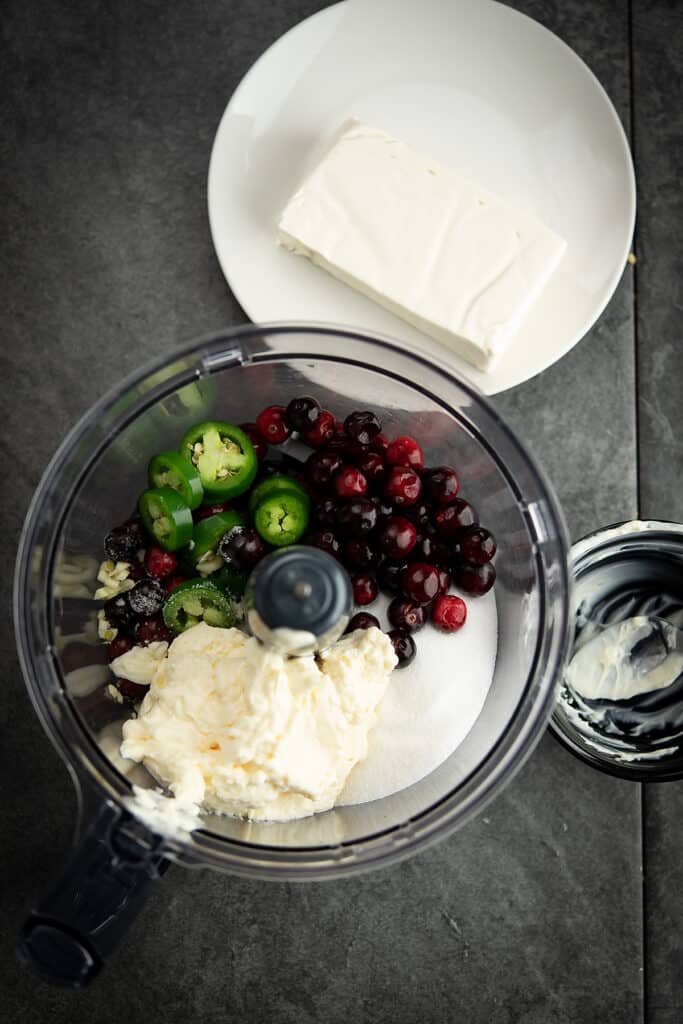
(472,83)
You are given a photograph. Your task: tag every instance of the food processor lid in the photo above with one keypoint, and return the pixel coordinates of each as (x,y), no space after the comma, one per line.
(298,600)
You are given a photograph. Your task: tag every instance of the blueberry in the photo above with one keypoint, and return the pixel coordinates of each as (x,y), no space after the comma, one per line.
(122,542)
(118,612)
(147,598)
(242,547)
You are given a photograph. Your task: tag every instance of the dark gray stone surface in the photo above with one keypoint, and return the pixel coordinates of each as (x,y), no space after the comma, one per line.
(514,919)
(532,913)
(658,132)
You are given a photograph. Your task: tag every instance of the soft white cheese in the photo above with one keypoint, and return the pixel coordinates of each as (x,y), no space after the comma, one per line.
(140,663)
(435,249)
(236,728)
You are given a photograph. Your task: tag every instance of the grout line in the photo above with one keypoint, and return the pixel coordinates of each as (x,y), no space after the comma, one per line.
(636,374)
(644,890)
(636,339)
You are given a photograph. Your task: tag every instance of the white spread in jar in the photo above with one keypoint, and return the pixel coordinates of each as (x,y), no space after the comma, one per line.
(241,730)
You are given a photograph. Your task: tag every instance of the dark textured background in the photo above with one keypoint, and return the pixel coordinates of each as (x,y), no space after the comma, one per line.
(564,903)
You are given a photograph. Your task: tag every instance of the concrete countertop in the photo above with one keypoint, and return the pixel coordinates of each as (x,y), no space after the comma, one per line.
(563,903)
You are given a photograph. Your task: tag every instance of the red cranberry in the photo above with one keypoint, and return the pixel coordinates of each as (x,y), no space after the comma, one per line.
(160,563)
(321,467)
(405,451)
(359,554)
(153,630)
(365,588)
(404,646)
(339,428)
(147,597)
(397,537)
(326,540)
(474,579)
(406,614)
(420,582)
(174,582)
(421,514)
(451,519)
(403,486)
(204,511)
(350,483)
(136,570)
(322,431)
(241,547)
(373,469)
(444,580)
(338,443)
(120,645)
(477,545)
(383,506)
(433,550)
(449,613)
(362,620)
(441,484)
(131,691)
(302,414)
(326,512)
(358,517)
(362,427)
(380,443)
(272,425)
(351,451)
(389,576)
(253,433)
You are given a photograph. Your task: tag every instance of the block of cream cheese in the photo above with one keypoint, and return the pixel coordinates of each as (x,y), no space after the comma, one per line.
(435,249)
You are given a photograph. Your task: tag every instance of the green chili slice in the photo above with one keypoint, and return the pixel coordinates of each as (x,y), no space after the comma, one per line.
(223,456)
(196,601)
(207,533)
(277,482)
(282,517)
(167,518)
(170,469)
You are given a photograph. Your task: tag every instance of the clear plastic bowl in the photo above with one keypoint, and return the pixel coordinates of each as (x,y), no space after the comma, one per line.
(94,478)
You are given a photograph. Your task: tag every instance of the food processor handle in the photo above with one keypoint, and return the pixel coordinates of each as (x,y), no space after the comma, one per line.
(69,935)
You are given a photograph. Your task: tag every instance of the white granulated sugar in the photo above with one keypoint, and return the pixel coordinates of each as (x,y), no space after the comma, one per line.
(430,706)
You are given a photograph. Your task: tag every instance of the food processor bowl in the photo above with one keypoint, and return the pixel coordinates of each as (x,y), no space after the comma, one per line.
(92,483)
